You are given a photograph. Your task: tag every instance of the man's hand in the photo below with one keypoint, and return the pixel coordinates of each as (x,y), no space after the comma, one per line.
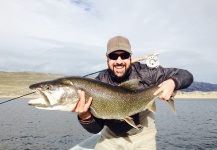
(167,87)
(82,108)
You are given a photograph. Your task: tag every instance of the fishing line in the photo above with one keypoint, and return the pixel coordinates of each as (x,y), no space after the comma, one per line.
(16,97)
(35,91)
(93,73)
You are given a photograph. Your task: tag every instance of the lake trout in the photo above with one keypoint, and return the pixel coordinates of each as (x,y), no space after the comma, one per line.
(109,102)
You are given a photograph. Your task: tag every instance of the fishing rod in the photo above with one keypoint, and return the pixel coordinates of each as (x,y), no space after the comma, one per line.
(153,62)
(151,57)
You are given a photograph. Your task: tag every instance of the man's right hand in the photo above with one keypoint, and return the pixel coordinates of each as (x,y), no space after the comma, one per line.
(82,108)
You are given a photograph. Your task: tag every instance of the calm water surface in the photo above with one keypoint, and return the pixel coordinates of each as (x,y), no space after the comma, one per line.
(193,127)
(23,127)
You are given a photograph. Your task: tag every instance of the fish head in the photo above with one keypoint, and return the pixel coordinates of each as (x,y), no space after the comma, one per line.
(59,94)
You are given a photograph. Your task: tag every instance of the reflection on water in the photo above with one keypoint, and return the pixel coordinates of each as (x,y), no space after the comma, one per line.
(193,127)
(24,127)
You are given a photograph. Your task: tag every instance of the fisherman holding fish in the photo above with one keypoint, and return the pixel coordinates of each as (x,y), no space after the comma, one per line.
(118,134)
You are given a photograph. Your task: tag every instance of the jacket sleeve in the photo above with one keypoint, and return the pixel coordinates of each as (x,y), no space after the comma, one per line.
(93,125)
(182,78)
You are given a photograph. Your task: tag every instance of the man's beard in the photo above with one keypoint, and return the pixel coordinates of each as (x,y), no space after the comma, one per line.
(126,73)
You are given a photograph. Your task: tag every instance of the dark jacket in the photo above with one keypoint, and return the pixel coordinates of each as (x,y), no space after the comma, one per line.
(147,77)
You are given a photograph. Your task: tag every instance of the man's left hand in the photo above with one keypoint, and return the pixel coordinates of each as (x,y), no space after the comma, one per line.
(167,87)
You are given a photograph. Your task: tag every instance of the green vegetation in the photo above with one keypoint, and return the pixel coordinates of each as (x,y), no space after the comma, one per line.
(14,84)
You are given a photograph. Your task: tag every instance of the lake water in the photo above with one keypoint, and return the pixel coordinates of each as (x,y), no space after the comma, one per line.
(23,127)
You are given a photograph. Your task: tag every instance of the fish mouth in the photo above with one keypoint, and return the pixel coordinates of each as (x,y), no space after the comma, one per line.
(45,97)
(43,101)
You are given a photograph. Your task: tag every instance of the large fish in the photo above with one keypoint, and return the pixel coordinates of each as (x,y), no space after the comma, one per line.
(109,102)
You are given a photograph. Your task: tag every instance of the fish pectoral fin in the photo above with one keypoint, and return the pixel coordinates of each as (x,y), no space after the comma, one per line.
(172,105)
(93,112)
(130,121)
(153,108)
(173,94)
(131,84)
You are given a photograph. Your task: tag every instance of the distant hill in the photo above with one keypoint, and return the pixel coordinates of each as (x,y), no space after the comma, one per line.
(201,86)
(17,83)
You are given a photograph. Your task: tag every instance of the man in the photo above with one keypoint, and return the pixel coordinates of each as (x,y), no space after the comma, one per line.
(117,134)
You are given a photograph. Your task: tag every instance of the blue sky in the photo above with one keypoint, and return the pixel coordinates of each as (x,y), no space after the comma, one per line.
(70,37)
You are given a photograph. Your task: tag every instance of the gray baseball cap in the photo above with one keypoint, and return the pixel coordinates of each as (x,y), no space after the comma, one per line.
(118,43)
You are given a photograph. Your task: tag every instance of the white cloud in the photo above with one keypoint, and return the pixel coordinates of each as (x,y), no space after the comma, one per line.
(70,36)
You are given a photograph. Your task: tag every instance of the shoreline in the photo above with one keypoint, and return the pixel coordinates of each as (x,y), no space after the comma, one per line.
(16,84)
(179,94)
(196,95)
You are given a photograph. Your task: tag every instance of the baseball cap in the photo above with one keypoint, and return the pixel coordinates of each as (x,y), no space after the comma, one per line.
(118,43)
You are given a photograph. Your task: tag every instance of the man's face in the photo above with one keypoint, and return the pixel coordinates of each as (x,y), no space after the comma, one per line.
(119,62)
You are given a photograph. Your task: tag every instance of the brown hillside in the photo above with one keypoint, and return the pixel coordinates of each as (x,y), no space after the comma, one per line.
(17,83)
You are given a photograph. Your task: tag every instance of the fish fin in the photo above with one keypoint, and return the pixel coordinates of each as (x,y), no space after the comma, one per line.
(153,108)
(172,105)
(173,94)
(130,121)
(93,112)
(131,84)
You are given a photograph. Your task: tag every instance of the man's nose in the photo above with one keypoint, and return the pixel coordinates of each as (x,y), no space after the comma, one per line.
(119,60)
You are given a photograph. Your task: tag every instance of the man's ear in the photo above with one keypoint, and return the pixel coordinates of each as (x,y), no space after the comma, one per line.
(107,59)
